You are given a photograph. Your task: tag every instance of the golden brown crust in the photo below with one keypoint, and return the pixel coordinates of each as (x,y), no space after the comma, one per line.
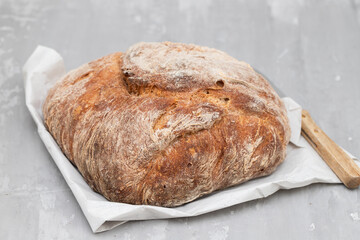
(165,123)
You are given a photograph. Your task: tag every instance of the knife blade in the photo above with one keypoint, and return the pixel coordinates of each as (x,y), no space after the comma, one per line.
(340,163)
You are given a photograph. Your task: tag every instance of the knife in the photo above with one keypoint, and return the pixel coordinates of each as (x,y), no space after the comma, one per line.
(340,163)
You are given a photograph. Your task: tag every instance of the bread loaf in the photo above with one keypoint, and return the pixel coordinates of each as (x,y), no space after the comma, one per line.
(165,123)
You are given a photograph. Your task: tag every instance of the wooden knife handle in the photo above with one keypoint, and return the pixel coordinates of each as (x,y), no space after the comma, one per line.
(340,163)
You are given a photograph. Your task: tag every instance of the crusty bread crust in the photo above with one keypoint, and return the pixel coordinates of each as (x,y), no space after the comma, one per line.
(166,123)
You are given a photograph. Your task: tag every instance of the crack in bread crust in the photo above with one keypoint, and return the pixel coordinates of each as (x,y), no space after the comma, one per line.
(166,123)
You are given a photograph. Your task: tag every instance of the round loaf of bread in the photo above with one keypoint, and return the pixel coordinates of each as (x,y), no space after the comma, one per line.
(165,123)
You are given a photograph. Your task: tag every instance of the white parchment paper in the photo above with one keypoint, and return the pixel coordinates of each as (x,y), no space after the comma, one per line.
(301,167)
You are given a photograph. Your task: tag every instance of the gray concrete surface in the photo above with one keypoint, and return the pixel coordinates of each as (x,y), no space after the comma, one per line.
(310,49)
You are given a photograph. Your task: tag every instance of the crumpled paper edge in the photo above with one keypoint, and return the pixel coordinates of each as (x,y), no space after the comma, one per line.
(45,66)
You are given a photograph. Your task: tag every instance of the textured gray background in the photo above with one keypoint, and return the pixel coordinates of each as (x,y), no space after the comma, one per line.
(310,49)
